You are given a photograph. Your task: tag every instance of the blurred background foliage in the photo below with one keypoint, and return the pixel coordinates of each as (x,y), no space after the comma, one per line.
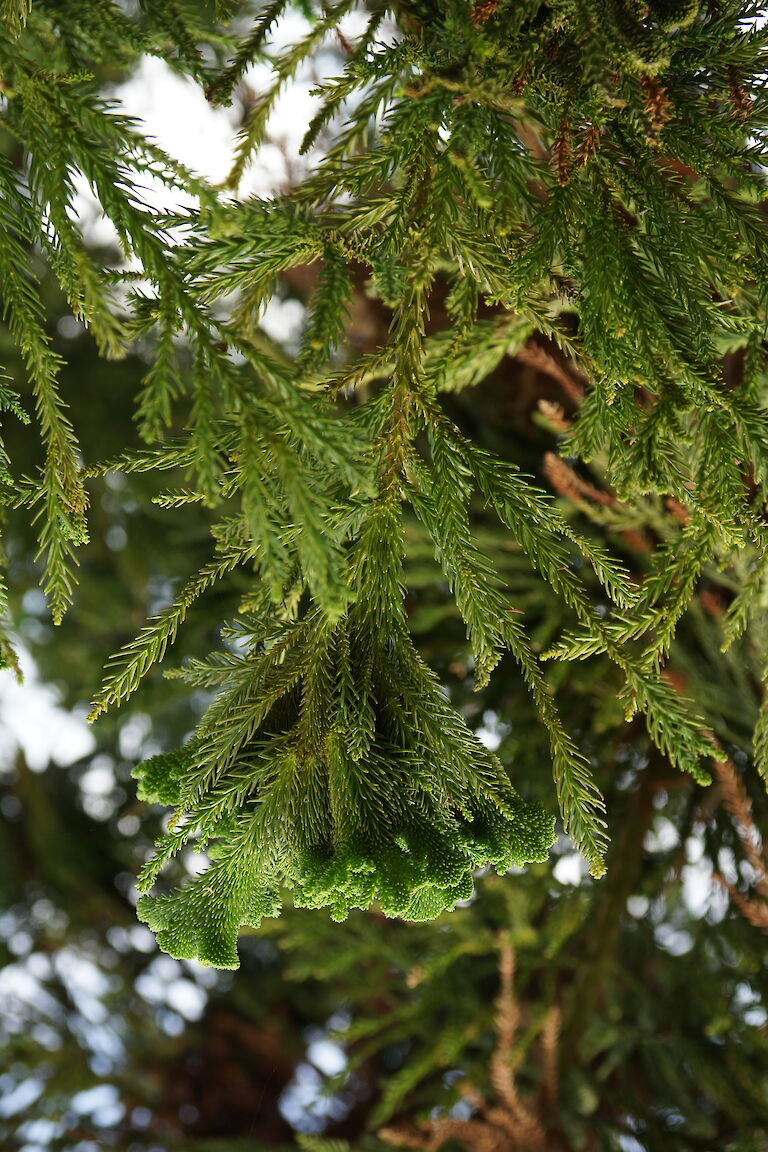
(552,1012)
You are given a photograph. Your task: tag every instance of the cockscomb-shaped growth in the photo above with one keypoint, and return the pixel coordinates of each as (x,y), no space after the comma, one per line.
(358,785)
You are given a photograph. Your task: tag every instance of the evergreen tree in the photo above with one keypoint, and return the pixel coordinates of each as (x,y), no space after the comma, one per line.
(574,184)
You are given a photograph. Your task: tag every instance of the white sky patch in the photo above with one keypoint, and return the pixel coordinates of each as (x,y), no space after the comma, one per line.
(133,736)
(492,731)
(100,777)
(22,994)
(662,837)
(282,320)
(489,738)
(303,1103)
(186,998)
(101,1103)
(326,1056)
(630,1144)
(570,869)
(163,983)
(89,216)
(676,941)
(173,113)
(748,1003)
(32,719)
(21,1096)
(176,115)
(87,983)
(195,863)
(638,906)
(698,886)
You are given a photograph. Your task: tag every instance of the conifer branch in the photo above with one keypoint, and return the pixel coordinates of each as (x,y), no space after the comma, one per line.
(584,174)
(150,645)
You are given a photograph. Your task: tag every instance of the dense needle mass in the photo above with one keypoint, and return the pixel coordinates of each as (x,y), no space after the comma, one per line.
(588,172)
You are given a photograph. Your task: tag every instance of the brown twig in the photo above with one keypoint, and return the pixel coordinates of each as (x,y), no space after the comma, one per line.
(589,142)
(483,10)
(537,357)
(550,1040)
(507,1123)
(740,100)
(567,482)
(554,415)
(520,79)
(562,154)
(656,102)
(739,808)
(711,602)
(678,511)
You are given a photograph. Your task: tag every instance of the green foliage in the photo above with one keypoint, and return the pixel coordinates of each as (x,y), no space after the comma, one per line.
(330,763)
(589,172)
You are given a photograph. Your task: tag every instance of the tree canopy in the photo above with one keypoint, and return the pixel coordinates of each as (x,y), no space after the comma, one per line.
(514,467)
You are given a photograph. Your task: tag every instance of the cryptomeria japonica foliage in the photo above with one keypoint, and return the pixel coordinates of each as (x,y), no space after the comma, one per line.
(586,173)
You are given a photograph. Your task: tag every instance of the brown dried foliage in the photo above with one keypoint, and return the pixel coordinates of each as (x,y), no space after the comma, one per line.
(521,79)
(754,908)
(656,102)
(740,101)
(534,356)
(506,1122)
(677,510)
(567,482)
(562,154)
(589,142)
(483,10)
